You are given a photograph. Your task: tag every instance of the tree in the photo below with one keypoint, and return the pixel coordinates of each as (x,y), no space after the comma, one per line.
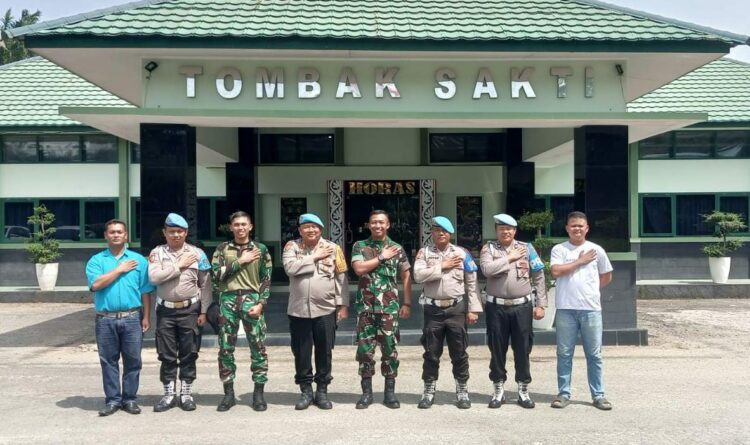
(12,50)
(42,246)
(725,223)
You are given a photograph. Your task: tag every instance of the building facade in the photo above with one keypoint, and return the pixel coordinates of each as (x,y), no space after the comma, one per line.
(339,108)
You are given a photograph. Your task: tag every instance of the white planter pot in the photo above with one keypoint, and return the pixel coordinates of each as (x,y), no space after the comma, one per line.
(549,313)
(719,268)
(46,276)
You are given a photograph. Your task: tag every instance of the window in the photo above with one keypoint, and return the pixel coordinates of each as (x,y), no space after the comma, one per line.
(682,214)
(20,149)
(100,149)
(69,212)
(135,153)
(467,147)
(697,144)
(296,148)
(657,215)
(211,215)
(693,144)
(736,204)
(690,211)
(15,220)
(560,206)
(733,144)
(59,148)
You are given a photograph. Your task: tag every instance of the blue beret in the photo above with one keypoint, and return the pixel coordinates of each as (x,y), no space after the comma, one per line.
(175,220)
(310,218)
(444,223)
(506,219)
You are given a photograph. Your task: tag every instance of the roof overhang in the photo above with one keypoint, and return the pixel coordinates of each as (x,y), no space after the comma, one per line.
(120,70)
(125,122)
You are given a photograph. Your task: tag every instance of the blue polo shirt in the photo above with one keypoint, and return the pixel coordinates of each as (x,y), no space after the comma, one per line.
(125,292)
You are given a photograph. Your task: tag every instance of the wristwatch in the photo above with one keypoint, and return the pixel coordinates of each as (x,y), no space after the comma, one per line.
(381,258)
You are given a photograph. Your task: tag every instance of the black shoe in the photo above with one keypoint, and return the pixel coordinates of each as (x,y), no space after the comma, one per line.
(526,403)
(131,407)
(165,404)
(187,403)
(259,403)
(428,396)
(389,394)
(321,397)
(498,396)
(305,398)
(366,399)
(228,401)
(109,409)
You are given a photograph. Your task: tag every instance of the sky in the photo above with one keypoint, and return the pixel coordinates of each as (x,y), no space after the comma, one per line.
(725,15)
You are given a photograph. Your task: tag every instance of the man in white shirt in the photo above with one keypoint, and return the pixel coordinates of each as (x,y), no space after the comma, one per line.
(582,269)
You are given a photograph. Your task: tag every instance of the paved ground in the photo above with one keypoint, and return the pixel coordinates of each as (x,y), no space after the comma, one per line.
(690,386)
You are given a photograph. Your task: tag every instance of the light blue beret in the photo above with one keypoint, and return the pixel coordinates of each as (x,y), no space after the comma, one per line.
(443,222)
(310,218)
(506,219)
(175,220)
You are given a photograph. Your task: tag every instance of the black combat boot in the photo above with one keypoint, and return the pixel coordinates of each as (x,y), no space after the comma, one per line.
(389,395)
(428,396)
(523,396)
(306,398)
(228,401)
(366,399)
(321,397)
(498,395)
(168,400)
(259,403)
(462,395)
(186,396)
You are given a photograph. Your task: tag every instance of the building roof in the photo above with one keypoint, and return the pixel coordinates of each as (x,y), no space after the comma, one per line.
(33,89)
(720,88)
(407,20)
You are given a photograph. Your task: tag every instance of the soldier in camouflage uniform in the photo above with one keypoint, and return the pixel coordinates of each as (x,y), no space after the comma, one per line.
(242,270)
(378,261)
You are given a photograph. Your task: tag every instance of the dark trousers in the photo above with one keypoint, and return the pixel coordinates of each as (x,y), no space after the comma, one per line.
(441,325)
(504,324)
(177,342)
(306,333)
(115,338)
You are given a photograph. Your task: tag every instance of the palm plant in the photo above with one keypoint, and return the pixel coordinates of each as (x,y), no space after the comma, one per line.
(12,50)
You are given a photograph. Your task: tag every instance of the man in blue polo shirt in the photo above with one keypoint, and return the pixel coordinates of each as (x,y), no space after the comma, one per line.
(119,277)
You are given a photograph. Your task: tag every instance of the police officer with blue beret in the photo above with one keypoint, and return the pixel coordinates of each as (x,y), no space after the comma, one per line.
(182,275)
(451,300)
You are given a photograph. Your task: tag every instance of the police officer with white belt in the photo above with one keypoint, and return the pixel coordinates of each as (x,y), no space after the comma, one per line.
(450,299)
(182,274)
(512,269)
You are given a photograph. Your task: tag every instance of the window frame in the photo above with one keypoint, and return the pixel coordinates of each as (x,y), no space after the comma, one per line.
(673,207)
(297,148)
(40,159)
(500,134)
(714,133)
(81,216)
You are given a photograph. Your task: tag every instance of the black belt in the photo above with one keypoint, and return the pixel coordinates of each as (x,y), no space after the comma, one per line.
(120,314)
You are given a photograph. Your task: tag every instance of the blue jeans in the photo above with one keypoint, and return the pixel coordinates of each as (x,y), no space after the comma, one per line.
(117,337)
(569,323)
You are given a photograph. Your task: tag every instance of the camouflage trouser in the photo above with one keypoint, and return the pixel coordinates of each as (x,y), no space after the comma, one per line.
(234,309)
(373,329)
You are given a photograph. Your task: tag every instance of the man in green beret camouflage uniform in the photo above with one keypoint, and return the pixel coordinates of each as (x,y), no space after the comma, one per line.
(242,270)
(378,262)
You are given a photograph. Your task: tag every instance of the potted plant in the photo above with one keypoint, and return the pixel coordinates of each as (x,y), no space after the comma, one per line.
(719,262)
(43,249)
(535,222)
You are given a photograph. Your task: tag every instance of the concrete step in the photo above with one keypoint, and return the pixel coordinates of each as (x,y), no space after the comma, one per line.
(667,289)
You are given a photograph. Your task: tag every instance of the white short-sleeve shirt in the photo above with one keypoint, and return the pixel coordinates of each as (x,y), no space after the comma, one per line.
(580,289)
